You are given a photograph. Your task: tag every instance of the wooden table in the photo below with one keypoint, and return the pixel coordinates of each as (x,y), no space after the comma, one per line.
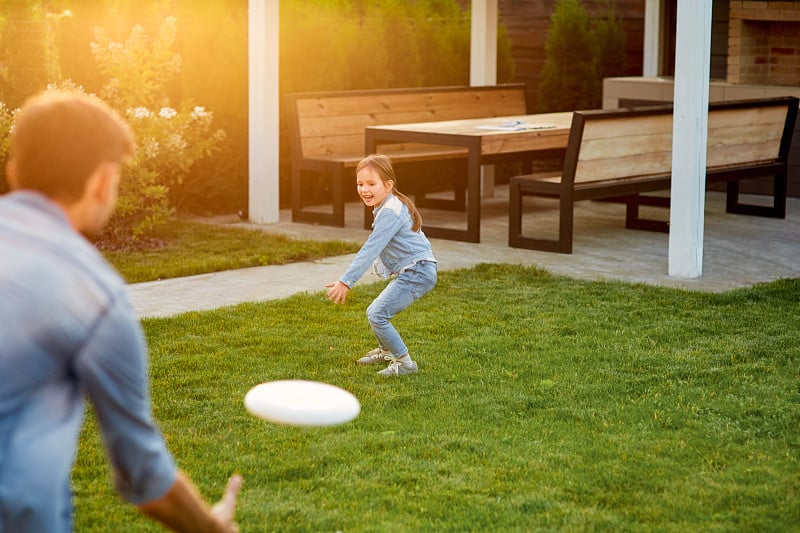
(486,140)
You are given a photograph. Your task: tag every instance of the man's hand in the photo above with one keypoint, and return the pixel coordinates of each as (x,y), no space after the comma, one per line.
(225,509)
(337,292)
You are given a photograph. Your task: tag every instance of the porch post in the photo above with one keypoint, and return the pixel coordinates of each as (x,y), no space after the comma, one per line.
(652,38)
(689,139)
(263,113)
(483,64)
(483,43)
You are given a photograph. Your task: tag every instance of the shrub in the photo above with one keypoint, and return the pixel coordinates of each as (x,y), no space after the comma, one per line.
(579,53)
(169,140)
(7,115)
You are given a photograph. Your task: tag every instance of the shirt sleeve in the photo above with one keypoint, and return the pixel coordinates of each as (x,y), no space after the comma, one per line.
(112,368)
(387,224)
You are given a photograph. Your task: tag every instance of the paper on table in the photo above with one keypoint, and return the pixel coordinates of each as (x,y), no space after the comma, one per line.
(514,125)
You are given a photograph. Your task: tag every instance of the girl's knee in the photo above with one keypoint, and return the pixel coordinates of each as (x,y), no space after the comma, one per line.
(376,315)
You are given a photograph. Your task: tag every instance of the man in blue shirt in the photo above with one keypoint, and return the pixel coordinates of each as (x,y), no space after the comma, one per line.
(67,330)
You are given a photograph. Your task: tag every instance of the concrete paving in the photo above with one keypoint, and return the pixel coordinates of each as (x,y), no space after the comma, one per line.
(739,251)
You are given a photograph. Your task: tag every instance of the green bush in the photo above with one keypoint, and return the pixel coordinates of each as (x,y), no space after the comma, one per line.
(579,51)
(169,140)
(6,121)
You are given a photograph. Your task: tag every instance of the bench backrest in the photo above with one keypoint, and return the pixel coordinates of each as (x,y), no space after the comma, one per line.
(325,124)
(609,144)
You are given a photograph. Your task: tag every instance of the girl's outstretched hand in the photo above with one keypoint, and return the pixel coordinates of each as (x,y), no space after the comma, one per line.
(337,292)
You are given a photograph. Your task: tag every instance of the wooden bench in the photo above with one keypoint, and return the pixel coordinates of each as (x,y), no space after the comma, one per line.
(624,153)
(326,134)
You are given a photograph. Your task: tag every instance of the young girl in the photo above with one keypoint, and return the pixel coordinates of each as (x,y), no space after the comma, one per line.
(397,247)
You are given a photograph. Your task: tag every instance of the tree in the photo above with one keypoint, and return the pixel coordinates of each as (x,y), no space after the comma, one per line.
(579,53)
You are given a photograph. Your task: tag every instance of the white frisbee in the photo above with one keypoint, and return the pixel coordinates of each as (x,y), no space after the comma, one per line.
(298,402)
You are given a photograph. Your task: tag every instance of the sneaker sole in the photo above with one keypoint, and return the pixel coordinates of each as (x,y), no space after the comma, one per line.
(406,373)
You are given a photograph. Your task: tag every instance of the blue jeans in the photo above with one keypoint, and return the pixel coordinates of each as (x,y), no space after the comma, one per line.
(401,292)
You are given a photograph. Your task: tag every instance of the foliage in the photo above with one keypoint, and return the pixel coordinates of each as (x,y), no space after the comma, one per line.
(429,45)
(608,45)
(632,408)
(6,122)
(137,70)
(579,51)
(169,142)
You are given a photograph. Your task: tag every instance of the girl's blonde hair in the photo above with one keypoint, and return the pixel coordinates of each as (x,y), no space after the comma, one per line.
(382,165)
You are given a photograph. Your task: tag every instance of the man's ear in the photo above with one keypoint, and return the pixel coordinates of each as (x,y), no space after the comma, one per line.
(104,182)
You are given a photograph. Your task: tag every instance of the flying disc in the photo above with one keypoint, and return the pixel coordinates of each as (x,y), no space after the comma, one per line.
(298,402)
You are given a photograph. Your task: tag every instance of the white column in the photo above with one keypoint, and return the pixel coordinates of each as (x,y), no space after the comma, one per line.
(483,63)
(263,113)
(652,38)
(483,43)
(689,139)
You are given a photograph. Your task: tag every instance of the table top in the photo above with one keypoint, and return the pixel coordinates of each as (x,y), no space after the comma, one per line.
(497,134)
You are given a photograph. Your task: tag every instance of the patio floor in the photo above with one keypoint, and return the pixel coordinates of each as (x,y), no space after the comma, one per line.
(739,250)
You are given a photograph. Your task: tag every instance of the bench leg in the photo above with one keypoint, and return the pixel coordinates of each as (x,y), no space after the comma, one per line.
(778,209)
(632,220)
(565,221)
(335,217)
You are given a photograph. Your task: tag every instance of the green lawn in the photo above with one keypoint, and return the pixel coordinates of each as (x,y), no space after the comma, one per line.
(542,403)
(195,248)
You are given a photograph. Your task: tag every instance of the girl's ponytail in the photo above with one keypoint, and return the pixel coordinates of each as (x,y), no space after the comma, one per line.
(416,218)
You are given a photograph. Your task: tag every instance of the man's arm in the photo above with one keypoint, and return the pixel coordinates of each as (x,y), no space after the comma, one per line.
(183,509)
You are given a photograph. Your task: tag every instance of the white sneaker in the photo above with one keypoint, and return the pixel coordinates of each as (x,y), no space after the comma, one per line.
(398,367)
(373,357)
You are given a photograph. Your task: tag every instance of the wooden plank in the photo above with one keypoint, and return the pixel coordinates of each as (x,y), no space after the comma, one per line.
(621,167)
(332,145)
(398,102)
(756,142)
(316,126)
(720,118)
(634,143)
(504,144)
(739,154)
(622,126)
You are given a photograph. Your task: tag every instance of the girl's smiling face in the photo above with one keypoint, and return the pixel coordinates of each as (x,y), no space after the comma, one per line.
(371,188)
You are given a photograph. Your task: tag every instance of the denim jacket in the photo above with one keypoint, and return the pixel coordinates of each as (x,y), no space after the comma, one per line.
(391,240)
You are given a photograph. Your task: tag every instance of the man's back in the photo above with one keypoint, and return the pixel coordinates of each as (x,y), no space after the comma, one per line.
(66,328)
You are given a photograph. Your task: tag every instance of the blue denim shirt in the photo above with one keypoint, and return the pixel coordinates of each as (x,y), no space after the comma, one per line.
(67,330)
(392,240)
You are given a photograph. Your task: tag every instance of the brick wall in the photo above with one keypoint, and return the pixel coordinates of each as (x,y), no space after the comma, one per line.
(764,42)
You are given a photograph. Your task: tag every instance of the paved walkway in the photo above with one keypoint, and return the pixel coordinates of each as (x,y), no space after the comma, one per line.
(739,251)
